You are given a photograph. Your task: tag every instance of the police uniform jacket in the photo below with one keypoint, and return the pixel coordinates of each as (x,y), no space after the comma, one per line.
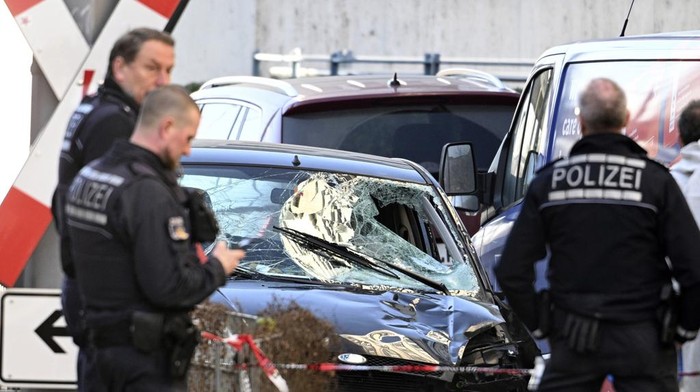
(131,243)
(99,120)
(607,216)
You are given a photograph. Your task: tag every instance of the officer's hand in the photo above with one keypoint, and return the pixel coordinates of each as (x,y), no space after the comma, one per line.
(229,258)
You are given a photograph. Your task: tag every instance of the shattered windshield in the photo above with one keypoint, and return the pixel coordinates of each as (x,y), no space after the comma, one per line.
(383,222)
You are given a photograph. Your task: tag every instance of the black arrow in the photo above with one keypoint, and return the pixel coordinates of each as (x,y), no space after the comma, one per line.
(47,331)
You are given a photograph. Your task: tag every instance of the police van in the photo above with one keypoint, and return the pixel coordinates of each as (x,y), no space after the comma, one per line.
(660,74)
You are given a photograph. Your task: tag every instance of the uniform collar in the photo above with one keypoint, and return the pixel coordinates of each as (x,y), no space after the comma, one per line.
(111,87)
(126,151)
(608,143)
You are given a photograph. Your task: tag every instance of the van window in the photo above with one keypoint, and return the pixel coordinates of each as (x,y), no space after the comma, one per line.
(657,92)
(526,151)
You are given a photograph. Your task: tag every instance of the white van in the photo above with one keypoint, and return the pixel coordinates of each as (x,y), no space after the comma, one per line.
(660,74)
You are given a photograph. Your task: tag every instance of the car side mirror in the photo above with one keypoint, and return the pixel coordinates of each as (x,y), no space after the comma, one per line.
(457,174)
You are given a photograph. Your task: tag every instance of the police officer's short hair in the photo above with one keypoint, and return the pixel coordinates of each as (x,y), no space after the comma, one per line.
(129,44)
(170,100)
(689,122)
(603,106)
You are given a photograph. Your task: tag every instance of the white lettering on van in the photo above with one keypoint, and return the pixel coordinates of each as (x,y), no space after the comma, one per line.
(570,127)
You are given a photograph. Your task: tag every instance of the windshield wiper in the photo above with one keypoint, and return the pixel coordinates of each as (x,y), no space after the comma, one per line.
(339,250)
(423,279)
(362,259)
(245,273)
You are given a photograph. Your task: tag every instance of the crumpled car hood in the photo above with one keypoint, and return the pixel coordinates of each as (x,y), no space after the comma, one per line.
(427,328)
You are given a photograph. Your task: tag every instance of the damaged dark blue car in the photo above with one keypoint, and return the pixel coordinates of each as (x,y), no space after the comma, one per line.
(373,246)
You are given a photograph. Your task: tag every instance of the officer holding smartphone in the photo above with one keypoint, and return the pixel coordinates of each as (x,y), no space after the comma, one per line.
(133,247)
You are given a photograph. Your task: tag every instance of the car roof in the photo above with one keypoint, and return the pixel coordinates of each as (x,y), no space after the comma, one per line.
(294,96)
(331,88)
(673,45)
(220,152)
(380,84)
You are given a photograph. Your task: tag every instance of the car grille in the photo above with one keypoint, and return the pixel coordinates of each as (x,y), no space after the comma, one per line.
(388,382)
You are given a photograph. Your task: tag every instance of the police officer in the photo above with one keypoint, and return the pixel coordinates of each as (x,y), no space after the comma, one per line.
(687,175)
(608,217)
(139,61)
(132,249)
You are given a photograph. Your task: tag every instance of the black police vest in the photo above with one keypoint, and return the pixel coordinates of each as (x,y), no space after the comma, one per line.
(101,245)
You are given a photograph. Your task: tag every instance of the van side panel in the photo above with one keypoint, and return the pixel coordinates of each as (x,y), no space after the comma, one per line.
(660,75)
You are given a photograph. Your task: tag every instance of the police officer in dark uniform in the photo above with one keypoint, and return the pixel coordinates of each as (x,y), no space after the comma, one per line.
(140,60)
(132,246)
(608,217)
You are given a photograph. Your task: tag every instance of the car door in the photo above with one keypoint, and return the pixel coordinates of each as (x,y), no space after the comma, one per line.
(522,153)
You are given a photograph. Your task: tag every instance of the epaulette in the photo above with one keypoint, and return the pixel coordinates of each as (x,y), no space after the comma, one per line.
(141,169)
(112,98)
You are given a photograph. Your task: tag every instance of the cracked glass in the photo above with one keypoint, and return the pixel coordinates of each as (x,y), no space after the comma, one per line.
(387,224)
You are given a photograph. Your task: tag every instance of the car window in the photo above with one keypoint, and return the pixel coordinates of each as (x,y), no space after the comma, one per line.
(415,132)
(528,141)
(251,125)
(657,91)
(381,220)
(219,120)
(229,120)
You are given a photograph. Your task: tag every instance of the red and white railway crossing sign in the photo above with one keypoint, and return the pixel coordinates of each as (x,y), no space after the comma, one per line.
(63,55)
(35,349)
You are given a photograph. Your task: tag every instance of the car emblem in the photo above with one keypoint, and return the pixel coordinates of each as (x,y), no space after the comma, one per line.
(354,359)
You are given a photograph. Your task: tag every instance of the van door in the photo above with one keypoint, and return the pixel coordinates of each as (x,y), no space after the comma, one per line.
(522,152)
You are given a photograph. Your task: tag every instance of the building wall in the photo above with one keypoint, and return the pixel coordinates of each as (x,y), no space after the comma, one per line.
(214,38)
(519,29)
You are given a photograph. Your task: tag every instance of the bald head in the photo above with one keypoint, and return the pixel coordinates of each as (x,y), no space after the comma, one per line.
(602,108)
(171,100)
(167,123)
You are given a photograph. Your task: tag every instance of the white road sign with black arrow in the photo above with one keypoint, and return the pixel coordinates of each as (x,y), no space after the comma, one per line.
(33,336)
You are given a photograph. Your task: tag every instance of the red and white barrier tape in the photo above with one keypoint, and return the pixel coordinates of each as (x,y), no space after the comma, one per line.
(238,341)
(333,367)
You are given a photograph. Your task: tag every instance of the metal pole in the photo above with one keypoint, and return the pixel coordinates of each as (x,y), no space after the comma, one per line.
(256,64)
(436,63)
(335,59)
(218,346)
(176,16)
(426,63)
